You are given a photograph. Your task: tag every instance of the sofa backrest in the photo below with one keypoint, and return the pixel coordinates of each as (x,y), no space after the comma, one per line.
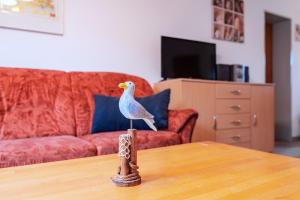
(35,103)
(87,84)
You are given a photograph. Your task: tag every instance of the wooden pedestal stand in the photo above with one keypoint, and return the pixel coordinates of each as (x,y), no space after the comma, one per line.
(128,174)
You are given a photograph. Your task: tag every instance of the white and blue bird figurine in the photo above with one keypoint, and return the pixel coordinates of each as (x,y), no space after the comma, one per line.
(131,109)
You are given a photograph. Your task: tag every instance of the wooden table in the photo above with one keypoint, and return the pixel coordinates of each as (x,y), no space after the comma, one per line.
(194,171)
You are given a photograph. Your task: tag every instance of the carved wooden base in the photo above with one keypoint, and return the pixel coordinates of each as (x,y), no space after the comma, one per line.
(128,174)
(127,181)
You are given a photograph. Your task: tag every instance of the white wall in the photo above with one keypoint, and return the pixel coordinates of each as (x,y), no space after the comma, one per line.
(114,35)
(124,36)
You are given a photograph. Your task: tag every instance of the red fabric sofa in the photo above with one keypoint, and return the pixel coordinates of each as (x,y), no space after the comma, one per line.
(46,116)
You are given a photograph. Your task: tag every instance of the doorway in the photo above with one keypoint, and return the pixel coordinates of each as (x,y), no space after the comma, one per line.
(278,40)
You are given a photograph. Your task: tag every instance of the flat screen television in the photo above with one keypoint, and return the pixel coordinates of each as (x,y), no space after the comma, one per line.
(182,58)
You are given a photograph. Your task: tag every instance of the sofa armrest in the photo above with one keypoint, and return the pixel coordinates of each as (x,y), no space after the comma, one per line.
(183,123)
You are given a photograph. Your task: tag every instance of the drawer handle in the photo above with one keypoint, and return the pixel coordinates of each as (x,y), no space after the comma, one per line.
(254,119)
(237,122)
(236,92)
(236,137)
(215,122)
(236,107)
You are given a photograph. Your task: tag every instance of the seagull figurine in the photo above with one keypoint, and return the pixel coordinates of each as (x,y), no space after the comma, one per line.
(131,109)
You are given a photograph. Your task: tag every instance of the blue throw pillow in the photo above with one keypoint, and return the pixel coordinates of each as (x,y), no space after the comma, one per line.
(107,116)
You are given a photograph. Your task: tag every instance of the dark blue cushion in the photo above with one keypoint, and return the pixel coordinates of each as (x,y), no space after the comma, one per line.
(107,116)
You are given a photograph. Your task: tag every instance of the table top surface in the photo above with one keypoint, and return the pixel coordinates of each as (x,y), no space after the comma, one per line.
(193,171)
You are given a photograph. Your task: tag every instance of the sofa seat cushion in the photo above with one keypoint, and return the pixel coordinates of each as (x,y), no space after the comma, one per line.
(108,143)
(39,150)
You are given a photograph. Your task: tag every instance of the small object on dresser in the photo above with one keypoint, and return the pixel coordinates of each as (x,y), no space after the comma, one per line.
(240,73)
(224,72)
(247,76)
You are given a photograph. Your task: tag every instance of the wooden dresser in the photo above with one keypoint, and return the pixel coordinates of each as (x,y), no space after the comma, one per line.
(233,113)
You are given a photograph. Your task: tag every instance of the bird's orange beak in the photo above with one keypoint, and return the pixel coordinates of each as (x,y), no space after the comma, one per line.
(123,86)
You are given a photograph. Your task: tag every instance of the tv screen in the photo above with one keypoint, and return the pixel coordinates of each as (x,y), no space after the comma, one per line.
(188,59)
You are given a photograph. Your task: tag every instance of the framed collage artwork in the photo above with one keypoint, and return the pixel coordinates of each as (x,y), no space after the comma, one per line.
(228,20)
(298,33)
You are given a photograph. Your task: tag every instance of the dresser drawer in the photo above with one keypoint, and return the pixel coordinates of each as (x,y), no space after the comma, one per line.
(233,91)
(232,106)
(232,121)
(234,136)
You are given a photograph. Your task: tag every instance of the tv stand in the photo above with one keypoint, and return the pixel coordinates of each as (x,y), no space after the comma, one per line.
(240,114)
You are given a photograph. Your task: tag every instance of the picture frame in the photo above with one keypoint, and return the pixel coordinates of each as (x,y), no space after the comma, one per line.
(297,33)
(228,20)
(239,73)
(37,16)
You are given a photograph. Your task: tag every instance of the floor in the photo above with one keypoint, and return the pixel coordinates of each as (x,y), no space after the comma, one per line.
(288,148)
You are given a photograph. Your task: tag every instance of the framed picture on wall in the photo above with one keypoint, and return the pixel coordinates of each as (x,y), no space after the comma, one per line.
(228,20)
(298,33)
(44,16)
